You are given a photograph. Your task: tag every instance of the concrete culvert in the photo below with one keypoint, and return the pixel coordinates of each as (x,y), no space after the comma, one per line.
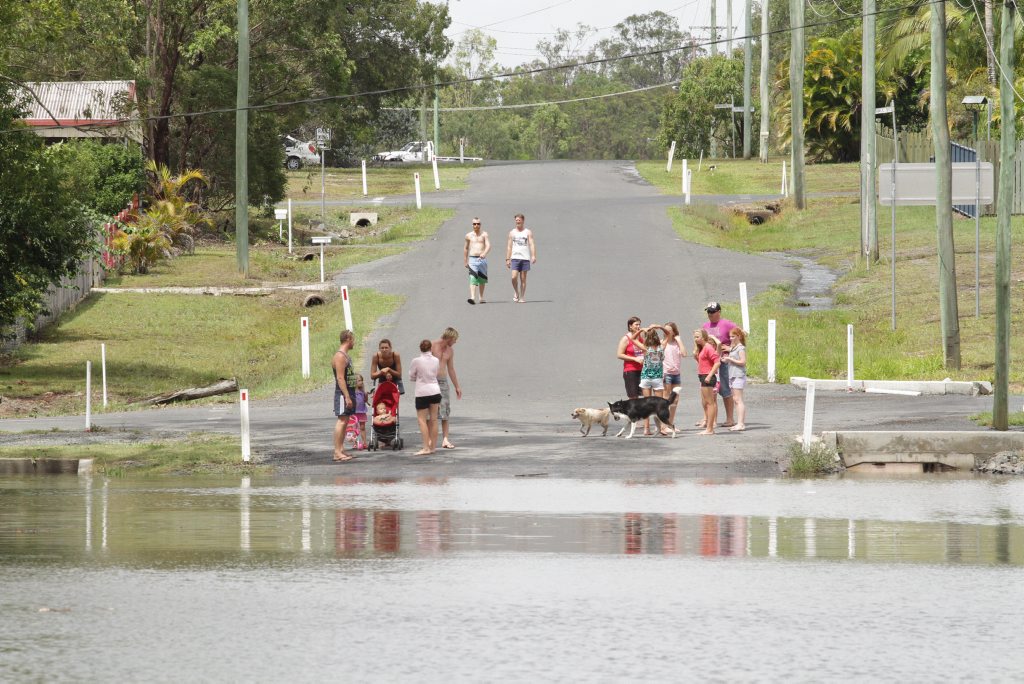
(308,257)
(313,300)
(755,220)
(363,223)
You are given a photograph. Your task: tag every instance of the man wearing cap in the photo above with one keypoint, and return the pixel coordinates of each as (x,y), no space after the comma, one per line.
(720,328)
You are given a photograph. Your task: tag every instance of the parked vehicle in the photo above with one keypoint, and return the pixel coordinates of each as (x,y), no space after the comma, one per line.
(416,151)
(297,152)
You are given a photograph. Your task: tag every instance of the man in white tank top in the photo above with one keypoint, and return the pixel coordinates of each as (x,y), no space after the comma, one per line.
(520,253)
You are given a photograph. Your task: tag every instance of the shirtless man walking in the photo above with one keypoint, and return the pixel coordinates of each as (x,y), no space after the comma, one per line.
(520,253)
(474,257)
(443,350)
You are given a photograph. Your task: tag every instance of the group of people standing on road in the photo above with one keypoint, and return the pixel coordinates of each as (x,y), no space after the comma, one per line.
(433,371)
(520,254)
(651,367)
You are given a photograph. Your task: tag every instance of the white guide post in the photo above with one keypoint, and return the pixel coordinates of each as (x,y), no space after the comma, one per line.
(700,162)
(365,192)
(785,183)
(243,405)
(849,358)
(808,416)
(88,395)
(671,154)
(321,262)
(685,185)
(289,225)
(419,198)
(462,150)
(689,185)
(437,178)
(304,337)
(744,308)
(347,305)
(771,350)
(103,363)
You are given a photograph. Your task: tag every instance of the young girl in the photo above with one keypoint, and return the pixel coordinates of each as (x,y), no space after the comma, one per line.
(423,372)
(652,372)
(673,352)
(737,360)
(705,350)
(360,415)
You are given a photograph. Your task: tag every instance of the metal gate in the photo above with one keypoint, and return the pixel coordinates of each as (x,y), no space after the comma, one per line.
(961,153)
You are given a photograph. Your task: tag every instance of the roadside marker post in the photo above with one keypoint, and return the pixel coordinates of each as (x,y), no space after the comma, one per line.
(771,350)
(419,198)
(671,154)
(689,185)
(437,178)
(785,182)
(103,364)
(700,162)
(289,225)
(88,396)
(744,309)
(324,240)
(243,405)
(462,150)
(365,192)
(304,336)
(347,305)
(849,358)
(808,416)
(686,186)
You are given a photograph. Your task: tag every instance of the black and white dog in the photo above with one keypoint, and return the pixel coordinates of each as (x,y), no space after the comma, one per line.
(635,410)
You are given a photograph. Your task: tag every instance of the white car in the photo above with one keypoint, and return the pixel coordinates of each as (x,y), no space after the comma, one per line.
(416,151)
(297,152)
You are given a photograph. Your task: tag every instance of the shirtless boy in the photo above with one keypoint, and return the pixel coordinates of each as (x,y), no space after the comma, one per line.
(443,350)
(520,253)
(474,257)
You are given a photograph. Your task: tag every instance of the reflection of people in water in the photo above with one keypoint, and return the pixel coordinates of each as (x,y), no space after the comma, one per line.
(350,531)
(386,531)
(633,524)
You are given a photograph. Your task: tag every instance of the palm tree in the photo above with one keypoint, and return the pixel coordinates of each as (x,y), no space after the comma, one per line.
(170,210)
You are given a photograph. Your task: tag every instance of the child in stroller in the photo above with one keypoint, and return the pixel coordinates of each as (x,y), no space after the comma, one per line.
(384,426)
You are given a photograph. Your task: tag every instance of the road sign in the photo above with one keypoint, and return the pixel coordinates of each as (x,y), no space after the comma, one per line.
(915,184)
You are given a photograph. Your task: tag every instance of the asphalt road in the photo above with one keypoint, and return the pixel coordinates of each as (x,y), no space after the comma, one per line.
(606,251)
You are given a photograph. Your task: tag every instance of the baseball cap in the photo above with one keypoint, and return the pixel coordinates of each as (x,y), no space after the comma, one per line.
(713,307)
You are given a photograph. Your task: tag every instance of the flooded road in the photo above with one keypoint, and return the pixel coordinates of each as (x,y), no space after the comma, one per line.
(273,579)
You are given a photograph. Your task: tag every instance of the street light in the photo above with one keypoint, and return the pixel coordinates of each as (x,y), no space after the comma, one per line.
(881,111)
(974,103)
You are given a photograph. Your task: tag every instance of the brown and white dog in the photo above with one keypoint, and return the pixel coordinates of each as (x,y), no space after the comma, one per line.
(589,417)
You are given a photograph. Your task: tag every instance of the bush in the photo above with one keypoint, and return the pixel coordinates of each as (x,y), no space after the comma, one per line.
(102,177)
(821,459)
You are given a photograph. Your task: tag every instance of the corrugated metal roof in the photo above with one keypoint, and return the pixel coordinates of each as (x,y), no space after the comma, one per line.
(79,102)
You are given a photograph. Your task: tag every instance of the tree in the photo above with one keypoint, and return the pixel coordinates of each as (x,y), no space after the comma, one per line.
(690,116)
(664,50)
(102,178)
(547,132)
(43,234)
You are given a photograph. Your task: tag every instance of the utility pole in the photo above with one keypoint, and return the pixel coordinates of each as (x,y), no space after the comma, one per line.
(944,192)
(990,55)
(748,66)
(437,124)
(765,93)
(714,28)
(868,158)
(728,28)
(1007,142)
(242,141)
(796,92)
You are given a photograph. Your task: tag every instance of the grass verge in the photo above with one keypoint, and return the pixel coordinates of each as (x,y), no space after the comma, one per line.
(818,460)
(195,454)
(747,177)
(813,343)
(347,184)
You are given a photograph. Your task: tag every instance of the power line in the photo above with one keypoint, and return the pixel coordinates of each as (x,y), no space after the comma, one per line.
(510,74)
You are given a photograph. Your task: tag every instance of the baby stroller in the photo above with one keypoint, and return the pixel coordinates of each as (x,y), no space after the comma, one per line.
(381,432)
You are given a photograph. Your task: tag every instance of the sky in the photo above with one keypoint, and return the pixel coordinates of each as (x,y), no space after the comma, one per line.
(518,26)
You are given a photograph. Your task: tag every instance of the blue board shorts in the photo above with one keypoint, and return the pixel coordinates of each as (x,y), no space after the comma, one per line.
(723,380)
(520,264)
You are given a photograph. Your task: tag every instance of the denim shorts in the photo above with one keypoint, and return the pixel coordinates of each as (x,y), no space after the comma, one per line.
(520,264)
(673,379)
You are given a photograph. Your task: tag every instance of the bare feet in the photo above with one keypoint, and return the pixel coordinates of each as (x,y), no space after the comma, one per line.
(706,433)
(447,445)
(738,428)
(700,424)
(665,432)
(342,457)
(423,452)
(727,424)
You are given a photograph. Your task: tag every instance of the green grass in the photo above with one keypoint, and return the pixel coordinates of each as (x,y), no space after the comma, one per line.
(347,184)
(217,265)
(195,454)
(813,343)
(818,460)
(747,177)
(158,343)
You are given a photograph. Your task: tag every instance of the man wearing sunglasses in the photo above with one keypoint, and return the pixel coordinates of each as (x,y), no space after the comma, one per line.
(474,257)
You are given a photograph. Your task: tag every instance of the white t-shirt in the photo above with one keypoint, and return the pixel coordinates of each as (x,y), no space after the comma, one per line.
(520,243)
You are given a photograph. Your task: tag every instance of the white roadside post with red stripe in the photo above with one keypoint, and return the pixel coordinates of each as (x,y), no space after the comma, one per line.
(103,363)
(744,308)
(243,405)
(771,350)
(88,396)
(304,336)
(419,199)
(808,416)
(849,358)
(347,305)
(289,225)
(671,153)
(365,192)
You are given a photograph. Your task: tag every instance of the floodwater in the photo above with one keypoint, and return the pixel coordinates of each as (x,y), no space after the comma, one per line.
(271,579)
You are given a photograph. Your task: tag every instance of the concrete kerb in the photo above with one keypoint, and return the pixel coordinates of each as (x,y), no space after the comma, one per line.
(952,449)
(969,388)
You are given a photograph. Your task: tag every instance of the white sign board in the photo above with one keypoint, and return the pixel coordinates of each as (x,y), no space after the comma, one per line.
(280,214)
(915,183)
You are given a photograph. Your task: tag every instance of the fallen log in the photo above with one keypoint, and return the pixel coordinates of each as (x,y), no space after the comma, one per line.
(219,387)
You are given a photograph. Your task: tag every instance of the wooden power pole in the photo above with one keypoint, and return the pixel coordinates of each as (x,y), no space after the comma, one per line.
(764,87)
(714,28)
(796,91)
(1007,143)
(242,141)
(747,67)
(949,313)
(868,159)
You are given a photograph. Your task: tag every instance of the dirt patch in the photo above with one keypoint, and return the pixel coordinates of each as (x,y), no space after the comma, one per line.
(45,405)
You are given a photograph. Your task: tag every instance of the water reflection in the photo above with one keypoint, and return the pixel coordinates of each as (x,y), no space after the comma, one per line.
(150,523)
